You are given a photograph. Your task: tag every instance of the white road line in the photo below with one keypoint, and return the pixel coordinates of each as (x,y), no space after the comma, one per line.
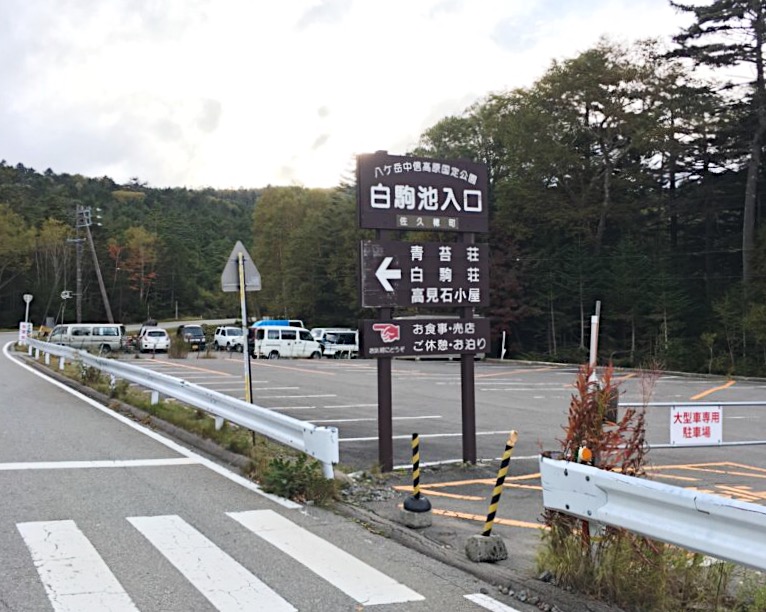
(412,418)
(228,382)
(409,436)
(224,582)
(295,396)
(358,580)
(315,407)
(74,575)
(486,602)
(78,465)
(181,450)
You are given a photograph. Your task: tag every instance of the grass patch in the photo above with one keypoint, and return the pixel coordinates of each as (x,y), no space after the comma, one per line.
(280,470)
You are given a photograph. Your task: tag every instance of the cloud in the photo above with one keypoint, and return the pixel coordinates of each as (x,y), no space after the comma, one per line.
(239,93)
(327,12)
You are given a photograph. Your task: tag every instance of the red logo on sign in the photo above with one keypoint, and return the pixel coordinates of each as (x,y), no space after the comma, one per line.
(388,331)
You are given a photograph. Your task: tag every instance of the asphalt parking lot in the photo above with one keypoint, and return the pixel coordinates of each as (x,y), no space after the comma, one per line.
(530,398)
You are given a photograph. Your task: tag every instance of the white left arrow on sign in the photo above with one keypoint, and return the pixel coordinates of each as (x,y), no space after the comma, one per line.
(384,274)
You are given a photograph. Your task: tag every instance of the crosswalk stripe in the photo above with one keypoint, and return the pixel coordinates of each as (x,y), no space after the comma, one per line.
(222,580)
(75,576)
(360,581)
(486,602)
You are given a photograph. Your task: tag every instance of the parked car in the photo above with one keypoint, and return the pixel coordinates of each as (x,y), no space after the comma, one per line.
(279,341)
(153,339)
(228,338)
(340,343)
(194,336)
(103,337)
(319,332)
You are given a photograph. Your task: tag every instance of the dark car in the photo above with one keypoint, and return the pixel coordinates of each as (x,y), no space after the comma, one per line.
(194,336)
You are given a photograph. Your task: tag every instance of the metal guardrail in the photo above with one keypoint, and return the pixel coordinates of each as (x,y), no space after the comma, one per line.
(318,442)
(716,526)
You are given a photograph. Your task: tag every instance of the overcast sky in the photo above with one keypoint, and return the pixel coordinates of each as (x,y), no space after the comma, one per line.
(246,93)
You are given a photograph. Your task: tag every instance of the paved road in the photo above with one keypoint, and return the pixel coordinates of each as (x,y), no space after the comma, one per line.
(98,513)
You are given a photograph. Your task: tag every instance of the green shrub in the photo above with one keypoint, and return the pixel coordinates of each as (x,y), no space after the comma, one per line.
(298,478)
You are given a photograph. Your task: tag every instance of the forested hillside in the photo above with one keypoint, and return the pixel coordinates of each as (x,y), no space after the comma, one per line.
(619,176)
(159,250)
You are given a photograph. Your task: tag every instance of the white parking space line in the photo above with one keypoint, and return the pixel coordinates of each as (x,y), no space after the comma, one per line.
(295,396)
(358,580)
(409,436)
(488,603)
(224,582)
(77,465)
(412,418)
(228,382)
(75,577)
(315,407)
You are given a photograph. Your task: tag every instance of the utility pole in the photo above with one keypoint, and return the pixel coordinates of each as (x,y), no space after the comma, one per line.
(84,219)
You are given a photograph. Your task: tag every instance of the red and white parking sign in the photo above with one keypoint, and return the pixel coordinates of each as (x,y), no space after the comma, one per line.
(25,331)
(696,425)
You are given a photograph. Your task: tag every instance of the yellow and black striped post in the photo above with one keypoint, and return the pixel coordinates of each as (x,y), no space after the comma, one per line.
(416,502)
(512,437)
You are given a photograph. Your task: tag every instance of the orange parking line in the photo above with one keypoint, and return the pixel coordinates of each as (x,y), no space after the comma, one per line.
(627,376)
(713,390)
(725,472)
(523,486)
(482,519)
(735,492)
(745,467)
(426,490)
(676,477)
(480,481)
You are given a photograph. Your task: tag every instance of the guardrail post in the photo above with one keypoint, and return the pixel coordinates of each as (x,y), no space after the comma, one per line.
(488,547)
(155,398)
(62,362)
(47,359)
(416,510)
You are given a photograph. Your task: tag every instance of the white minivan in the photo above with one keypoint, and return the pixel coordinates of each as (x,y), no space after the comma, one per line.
(280,341)
(103,337)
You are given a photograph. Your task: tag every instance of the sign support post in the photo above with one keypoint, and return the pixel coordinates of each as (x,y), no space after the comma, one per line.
(385,395)
(245,346)
(240,274)
(467,386)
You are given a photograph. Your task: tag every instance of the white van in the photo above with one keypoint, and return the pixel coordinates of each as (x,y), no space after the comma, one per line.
(279,341)
(339,343)
(103,337)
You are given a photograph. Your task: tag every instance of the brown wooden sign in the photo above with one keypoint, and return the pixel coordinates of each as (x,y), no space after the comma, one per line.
(419,193)
(424,274)
(424,337)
